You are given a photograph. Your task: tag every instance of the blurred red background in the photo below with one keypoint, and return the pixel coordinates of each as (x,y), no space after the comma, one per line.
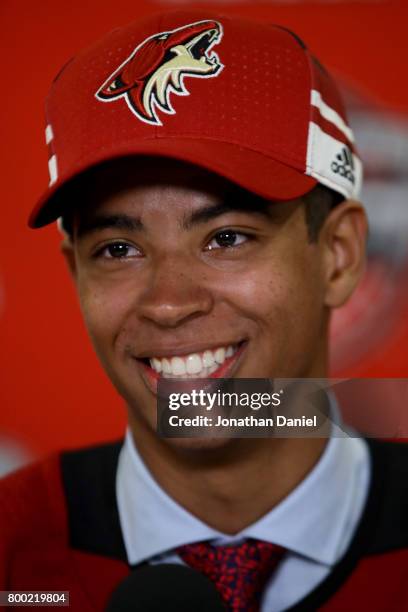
(53,391)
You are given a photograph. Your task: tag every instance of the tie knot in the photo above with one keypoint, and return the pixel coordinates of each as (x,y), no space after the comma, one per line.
(238,571)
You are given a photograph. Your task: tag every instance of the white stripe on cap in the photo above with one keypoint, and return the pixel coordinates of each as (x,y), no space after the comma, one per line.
(53,169)
(49,134)
(60,228)
(330,114)
(332,163)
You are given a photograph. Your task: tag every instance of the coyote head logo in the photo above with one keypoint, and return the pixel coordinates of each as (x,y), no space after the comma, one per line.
(158,65)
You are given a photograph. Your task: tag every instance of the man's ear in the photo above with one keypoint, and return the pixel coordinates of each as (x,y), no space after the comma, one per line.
(67,249)
(343,238)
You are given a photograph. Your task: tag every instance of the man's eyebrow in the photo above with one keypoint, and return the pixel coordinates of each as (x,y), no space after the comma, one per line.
(100,222)
(251,206)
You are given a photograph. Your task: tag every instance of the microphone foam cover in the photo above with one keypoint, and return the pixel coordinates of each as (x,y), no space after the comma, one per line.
(165,588)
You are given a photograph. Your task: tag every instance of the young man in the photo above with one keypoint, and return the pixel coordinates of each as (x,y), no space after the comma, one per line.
(207,181)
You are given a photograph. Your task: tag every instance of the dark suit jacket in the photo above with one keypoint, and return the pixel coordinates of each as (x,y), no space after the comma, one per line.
(60,531)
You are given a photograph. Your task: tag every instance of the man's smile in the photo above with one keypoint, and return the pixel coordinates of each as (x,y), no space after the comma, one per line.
(216,362)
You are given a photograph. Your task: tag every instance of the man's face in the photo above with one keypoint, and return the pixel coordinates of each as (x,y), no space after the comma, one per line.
(179,273)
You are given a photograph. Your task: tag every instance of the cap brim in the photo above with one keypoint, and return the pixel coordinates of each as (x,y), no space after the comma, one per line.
(247,168)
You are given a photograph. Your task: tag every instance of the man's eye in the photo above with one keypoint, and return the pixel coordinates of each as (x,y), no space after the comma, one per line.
(226,239)
(118,250)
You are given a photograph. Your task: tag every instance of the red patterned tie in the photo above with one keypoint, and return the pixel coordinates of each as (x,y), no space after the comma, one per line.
(239,572)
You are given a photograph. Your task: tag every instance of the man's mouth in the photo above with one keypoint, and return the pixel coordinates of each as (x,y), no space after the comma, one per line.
(215,362)
(197,365)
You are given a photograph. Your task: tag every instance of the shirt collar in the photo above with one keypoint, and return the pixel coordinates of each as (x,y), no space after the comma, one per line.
(309,521)
(152,522)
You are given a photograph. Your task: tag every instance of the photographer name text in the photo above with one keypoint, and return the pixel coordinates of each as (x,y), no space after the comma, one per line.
(249,421)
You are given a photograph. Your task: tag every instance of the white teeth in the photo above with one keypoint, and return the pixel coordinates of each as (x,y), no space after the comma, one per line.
(194,364)
(220,355)
(208,359)
(178,367)
(166,366)
(212,369)
(156,365)
(200,365)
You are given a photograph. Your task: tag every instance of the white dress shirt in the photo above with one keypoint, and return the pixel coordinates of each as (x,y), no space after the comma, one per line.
(315,522)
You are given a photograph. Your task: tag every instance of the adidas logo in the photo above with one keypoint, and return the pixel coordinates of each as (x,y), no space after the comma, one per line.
(344,165)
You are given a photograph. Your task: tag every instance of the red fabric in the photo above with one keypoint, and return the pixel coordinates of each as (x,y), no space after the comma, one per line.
(35,553)
(378,583)
(223,111)
(239,572)
(34,546)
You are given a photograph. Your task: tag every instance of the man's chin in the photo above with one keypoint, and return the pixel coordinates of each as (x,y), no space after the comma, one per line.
(199,445)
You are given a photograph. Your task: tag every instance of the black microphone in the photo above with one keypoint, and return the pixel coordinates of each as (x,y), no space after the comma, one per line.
(165,588)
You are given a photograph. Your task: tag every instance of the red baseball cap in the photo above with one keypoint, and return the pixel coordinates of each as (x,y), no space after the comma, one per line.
(245,100)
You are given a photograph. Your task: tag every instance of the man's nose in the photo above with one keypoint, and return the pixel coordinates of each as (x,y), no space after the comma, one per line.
(175,293)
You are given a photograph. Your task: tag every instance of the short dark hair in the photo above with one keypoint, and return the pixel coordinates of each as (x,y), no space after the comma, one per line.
(318,204)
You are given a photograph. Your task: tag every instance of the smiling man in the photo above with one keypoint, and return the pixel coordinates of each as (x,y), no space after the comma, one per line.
(208,199)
